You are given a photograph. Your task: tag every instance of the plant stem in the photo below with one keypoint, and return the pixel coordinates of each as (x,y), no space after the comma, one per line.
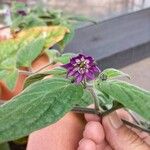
(135,126)
(25,72)
(84,110)
(96,102)
(31,73)
(93,111)
(42,68)
(116,106)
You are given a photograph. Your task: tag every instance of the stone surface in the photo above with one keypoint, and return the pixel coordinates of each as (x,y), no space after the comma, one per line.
(140,73)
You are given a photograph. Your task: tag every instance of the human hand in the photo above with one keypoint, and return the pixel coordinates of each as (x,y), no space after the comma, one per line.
(109,133)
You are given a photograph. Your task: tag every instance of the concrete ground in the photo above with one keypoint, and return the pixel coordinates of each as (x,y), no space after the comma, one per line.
(140,73)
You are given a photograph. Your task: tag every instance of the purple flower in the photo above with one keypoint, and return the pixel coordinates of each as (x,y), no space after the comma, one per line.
(82,68)
(21,12)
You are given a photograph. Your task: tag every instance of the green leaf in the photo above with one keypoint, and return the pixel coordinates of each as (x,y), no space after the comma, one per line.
(128,95)
(65,58)
(30,22)
(105,101)
(8,71)
(9,77)
(41,104)
(22,40)
(7,49)
(52,54)
(58,71)
(81,18)
(113,73)
(29,52)
(67,38)
(36,77)
(86,99)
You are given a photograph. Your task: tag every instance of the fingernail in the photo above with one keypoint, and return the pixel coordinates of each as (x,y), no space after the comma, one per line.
(115,120)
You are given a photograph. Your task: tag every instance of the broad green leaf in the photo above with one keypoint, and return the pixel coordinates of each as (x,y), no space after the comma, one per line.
(86,99)
(53,34)
(29,22)
(128,95)
(8,71)
(29,52)
(105,101)
(9,49)
(9,77)
(41,104)
(113,73)
(67,38)
(65,58)
(52,54)
(39,76)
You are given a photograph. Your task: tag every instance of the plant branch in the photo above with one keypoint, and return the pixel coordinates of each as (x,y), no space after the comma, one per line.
(31,73)
(96,102)
(25,72)
(84,110)
(116,106)
(135,126)
(42,68)
(93,111)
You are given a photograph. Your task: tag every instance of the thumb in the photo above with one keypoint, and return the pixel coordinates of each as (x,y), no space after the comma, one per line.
(121,137)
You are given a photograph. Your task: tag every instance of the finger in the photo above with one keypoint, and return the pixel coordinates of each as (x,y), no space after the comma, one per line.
(94,131)
(143,135)
(121,137)
(86,144)
(92,117)
(125,115)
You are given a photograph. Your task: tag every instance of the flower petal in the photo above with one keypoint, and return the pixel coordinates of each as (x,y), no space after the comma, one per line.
(82,67)
(68,66)
(72,72)
(94,68)
(76,74)
(73,60)
(79,78)
(90,59)
(90,75)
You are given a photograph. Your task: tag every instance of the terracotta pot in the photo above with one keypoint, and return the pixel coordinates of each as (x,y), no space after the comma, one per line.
(65,134)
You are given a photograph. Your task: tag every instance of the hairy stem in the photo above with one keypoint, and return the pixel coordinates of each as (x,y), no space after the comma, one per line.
(96,102)
(116,106)
(31,73)
(43,68)
(84,110)
(25,72)
(135,126)
(93,111)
